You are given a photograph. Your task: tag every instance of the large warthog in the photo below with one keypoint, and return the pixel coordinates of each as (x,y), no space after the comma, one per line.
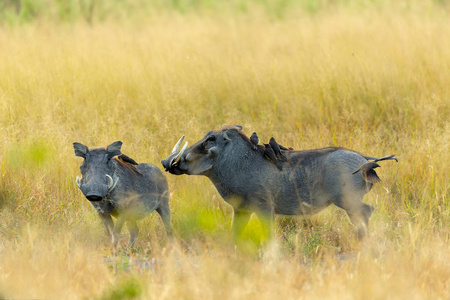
(117,186)
(271,179)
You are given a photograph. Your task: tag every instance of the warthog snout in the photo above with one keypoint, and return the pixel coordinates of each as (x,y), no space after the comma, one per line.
(94,198)
(95,190)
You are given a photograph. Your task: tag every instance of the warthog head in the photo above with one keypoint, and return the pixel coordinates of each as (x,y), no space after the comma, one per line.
(199,158)
(97,170)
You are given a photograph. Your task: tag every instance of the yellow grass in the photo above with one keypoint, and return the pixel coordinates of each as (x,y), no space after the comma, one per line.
(373,81)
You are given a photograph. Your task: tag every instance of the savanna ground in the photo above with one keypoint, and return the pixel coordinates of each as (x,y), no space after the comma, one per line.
(372,76)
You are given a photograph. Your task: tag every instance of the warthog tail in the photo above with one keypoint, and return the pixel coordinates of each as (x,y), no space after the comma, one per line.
(367,169)
(375,159)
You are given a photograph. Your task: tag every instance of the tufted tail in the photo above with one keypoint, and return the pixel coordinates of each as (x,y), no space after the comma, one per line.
(367,169)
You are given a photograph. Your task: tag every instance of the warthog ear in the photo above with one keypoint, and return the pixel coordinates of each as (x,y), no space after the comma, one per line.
(229,133)
(80,150)
(114,149)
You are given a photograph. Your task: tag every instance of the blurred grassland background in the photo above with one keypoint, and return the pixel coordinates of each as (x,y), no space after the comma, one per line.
(372,76)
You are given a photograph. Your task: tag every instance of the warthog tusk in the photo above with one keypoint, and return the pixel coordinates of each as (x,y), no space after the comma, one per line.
(111,182)
(178,157)
(79,182)
(177,145)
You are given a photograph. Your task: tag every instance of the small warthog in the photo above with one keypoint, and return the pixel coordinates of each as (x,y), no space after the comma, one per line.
(273,179)
(117,186)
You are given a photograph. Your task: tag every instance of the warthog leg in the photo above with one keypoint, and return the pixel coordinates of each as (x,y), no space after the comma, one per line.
(133,229)
(108,222)
(267,220)
(358,212)
(241,218)
(239,222)
(164,212)
(116,231)
(361,219)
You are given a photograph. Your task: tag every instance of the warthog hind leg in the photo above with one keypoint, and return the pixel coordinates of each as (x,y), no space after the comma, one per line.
(164,212)
(360,219)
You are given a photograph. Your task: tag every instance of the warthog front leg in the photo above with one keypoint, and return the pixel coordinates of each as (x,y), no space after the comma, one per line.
(116,231)
(108,222)
(133,229)
(239,222)
(266,218)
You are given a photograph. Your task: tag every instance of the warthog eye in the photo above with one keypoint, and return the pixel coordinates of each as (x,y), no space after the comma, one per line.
(210,139)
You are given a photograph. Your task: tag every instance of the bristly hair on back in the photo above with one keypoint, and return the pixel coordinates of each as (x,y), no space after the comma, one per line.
(243,136)
(131,168)
(239,128)
(126,162)
(278,158)
(227,126)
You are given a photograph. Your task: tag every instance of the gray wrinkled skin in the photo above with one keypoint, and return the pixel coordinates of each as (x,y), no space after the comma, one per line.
(130,193)
(310,180)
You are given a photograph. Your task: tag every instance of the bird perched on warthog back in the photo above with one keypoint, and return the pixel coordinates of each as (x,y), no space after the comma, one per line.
(119,187)
(272,150)
(308,181)
(367,169)
(255,140)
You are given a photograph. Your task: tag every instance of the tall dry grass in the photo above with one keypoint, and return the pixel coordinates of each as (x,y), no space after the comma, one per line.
(375,81)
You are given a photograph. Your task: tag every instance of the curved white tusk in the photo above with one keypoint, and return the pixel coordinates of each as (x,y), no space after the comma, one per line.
(178,157)
(111,182)
(177,146)
(79,182)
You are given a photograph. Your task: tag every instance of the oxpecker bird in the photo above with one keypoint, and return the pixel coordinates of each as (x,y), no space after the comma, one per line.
(368,172)
(255,141)
(270,155)
(276,149)
(127,159)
